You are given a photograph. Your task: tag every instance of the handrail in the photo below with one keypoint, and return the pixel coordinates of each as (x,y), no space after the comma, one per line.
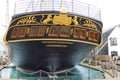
(75,7)
(101,48)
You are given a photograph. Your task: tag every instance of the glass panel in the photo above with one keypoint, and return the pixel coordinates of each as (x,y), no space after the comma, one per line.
(65,31)
(54,31)
(91,37)
(76,32)
(33,31)
(113,41)
(83,33)
(14,32)
(22,31)
(41,31)
(96,36)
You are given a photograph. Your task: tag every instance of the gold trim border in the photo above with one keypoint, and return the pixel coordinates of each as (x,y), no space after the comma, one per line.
(36,14)
(52,39)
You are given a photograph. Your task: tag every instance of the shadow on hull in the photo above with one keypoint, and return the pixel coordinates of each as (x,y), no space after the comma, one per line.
(34,56)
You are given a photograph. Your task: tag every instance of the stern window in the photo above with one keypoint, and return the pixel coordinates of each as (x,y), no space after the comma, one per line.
(33,30)
(14,32)
(65,32)
(93,35)
(22,31)
(76,32)
(41,31)
(54,31)
(83,33)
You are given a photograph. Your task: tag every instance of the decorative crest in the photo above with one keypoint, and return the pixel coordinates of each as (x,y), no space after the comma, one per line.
(62,19)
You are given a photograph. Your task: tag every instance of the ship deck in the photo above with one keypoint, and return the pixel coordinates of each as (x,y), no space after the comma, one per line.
(69,6)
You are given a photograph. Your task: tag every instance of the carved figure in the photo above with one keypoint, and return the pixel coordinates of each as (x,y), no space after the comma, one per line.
(89,24)
(48,19)
(75,20)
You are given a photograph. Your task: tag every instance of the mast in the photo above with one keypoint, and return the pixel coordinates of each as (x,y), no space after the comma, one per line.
(7,12)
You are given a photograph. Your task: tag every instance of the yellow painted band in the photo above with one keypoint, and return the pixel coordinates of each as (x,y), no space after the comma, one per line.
(41,39)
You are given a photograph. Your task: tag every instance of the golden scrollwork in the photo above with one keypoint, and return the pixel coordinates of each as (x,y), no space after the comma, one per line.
(89,24)
(75,20)
(62,19)
(47,30)
(48,19)
(27,20)
(71,31)
(28,30)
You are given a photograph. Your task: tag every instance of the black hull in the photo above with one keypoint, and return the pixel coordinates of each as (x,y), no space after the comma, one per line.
(50,40)
(34,56)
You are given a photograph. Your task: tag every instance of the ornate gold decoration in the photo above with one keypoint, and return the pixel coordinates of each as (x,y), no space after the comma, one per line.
(55,45)
(48,19)
(63,10)
(27,20)
(75,20)
(71,31)
(62,19)
(89,24)
(41,19)
(47,30)
(28,30)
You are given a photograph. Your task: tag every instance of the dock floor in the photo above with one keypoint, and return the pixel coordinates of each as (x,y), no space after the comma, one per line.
(107,73)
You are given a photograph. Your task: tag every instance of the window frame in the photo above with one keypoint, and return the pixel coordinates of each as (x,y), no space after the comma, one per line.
(113,41)
(75,36)
(63,35)
(20,30)
(14,33)
(38,34)
(30,33)
(58,32)
(85,33)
